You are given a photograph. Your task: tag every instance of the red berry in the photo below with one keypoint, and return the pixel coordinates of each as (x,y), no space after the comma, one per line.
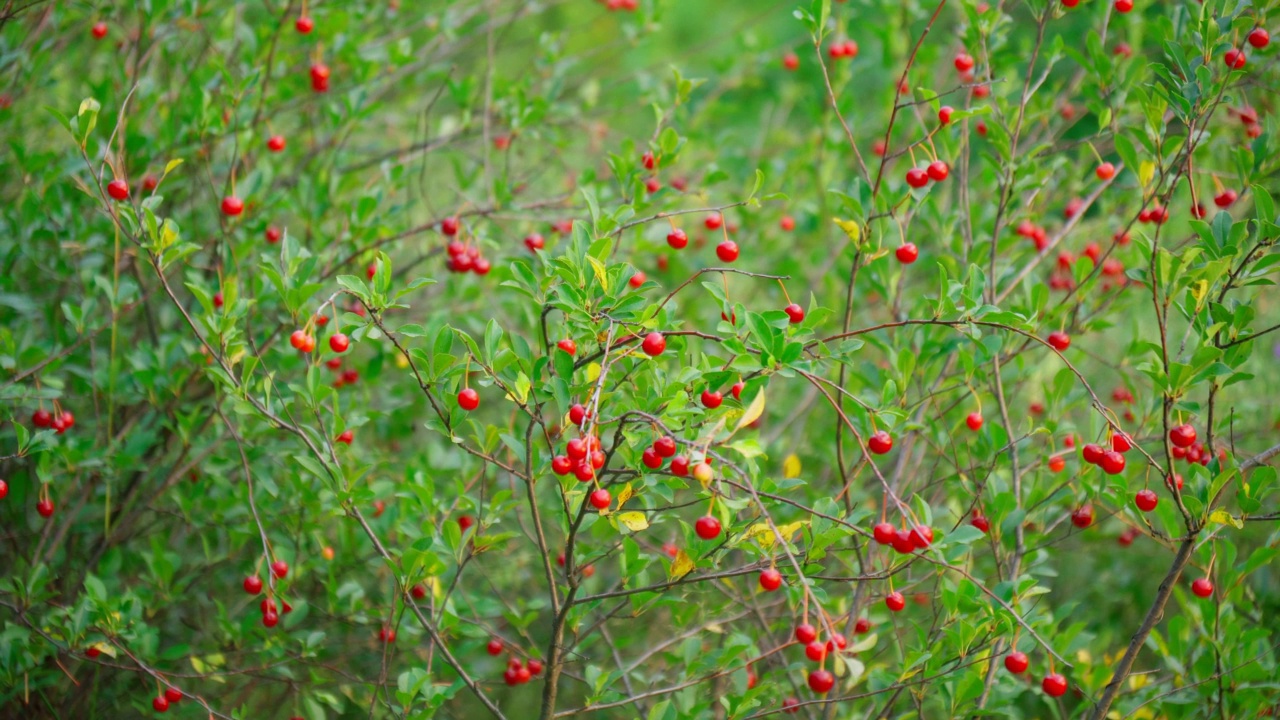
(1092,453)
(304,24)
(895,601)
(449,226)
(339,342)
(1082,517)
(974,420)
(279,568)
(577,414)
(1146,500)
(637,280)
(787,223)
(981,522)
(737,389)
(806,633)
(172,694)
(118,189)
(1202,587)
(964,62)
(679,466)
(4,489)
(713,221)
(320,77)
(707,527)
(535,667)
(270,619)
(938,171)
(837,641)
(99,31)
(275,143)
(345,437)
(654,343)
(468,399)
(944,114)
(677,239)
(727,251)
(907,253)
(45,508)
(1055,685)
(795,312)
(790,61)
(159,703)
(253,584)
(1016,662)
(1105,171)
(42,418)
(232,206)
(815,651)
(1059,340)
(770,579)
(1234,59)
(1070,3)
(1183,436)
(576,448)
(917,178)
(387,635)
(600,499)
(494,647)
(1259,38)
(1112,462)
(884,533)
(533,241)
(711,400)
(821,681)
(922,536)
(880,442)
(651,459)
(273,234)
(1121,443)
(649,161)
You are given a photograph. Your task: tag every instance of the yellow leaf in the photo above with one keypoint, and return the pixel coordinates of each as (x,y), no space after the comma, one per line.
(624,496)
(635,521)
(1199,290)
(680,567)
(753,412)
(1138,680)
(593,372)
(1223,517)
(402,362)
(791,467)
(763,534)
(850,228)
(168,168)
(602,275)
(1146,172)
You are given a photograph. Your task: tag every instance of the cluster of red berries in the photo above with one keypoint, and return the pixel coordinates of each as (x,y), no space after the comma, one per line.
(60,423)
(1154,214)
(936,171)
(1111,461)
(320,77)
(903,540)
(1032,231)
(270,611)
(1185,447)
(582,457)
(466,258)
(624,5)
(846,49)
(161,703)
(1249,117)
(303,341)
(519,673)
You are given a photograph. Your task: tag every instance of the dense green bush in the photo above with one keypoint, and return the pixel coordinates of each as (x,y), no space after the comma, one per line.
(891,319)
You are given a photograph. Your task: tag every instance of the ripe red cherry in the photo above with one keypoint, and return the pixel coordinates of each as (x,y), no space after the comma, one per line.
(1177,480)
(707,527)
(880,442)
(1105,171)
(1202,587)
(1059,340)
(637,280)
(907,253)
(895,601)
(42,418)
(172,694)
(1234,59)
(850,49)
(1146,500)
(795,312)
(791,706)
(1092,453)
(815,651)
(974,420)
(1121,443)
(418,591)
(577,414)
(806,633)
(1070,3)
(387,635)
(159,703)
(677,239)
(1183,436)
(279,568)
(665,446)
(821,681)
(922,536)
(902,541)
(652,185)
(711,400)
(938,171)
(884,533)
(449,227)
(917,178)
(4,489)
(535,667)
(964,62)
(770,579)
(600,499)
(149,182)
(339,342)
(576,448)
(568,346)
(270,618)
(648,160)
(981,522)
(727,251)
(713,221)
(790,61)
(1082,517)
(944,114)
(1016,662)
(468,399)
(253,584)
(1112,462)
(787,223)
(494,647)
(273,234)
(1259,38)
(651,459)
(320,77)
(679,466)
(45,508)
(232,206)
(304,24)
(654,343)
(118,189)
(1055,685)
(275,143)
